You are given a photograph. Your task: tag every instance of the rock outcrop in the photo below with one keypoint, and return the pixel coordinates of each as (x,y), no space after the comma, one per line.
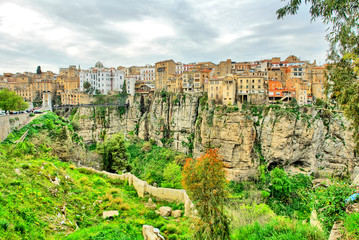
(306,140)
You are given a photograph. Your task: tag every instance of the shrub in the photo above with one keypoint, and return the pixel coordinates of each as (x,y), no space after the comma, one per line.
(172,176)
(146,147)
(330,203)
(20,227)
(4,224)
(75,125)
(32,114)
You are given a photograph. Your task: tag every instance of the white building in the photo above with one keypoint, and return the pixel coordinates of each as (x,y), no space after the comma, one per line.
(147,74)
(179,68)
(102,79)
(130,85)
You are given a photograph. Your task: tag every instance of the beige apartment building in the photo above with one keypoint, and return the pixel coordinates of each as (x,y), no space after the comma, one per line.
(163,70)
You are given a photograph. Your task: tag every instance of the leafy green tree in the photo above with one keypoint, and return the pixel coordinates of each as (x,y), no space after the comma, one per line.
(205,182)
(114,153)
(172,176)
(343,73)
(9,101)
(88,89)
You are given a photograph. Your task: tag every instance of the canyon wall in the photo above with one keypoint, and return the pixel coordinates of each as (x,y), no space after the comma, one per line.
(308,140)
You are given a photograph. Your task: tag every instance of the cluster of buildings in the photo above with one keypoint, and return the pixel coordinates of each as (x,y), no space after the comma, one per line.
(228,82)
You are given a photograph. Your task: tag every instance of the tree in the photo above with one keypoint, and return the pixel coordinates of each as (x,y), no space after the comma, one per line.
(205,182)
(343,72)
(38,70)
(172,176)
(88,89)
(114,153)
(9,101)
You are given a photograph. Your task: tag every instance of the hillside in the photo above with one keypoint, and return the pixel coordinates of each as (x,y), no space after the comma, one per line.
(44,198)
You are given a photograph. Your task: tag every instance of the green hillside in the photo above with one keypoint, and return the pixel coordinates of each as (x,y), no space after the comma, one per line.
(33,206)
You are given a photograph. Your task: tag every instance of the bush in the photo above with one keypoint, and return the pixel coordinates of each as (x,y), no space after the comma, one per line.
(330,203)
(32,114)
(4,224)
(75,125)
(172,176)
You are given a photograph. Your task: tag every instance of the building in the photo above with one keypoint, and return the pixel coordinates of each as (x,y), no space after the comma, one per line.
(163,70)
(147,74)
(102,79)
(228,90)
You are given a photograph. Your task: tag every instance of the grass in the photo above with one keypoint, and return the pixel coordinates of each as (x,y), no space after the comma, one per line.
(279,228)
(32,206)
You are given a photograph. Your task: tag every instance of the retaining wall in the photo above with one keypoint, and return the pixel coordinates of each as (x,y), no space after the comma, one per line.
(143,189)
(9,122)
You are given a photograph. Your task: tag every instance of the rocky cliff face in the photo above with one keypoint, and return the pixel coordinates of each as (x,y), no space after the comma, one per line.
(300,140)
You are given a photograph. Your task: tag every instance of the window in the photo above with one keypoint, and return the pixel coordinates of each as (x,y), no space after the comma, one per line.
(252,80)
(227,87)
(247,86)
(295,69)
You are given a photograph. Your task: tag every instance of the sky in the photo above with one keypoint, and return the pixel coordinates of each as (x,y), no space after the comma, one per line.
(59,33)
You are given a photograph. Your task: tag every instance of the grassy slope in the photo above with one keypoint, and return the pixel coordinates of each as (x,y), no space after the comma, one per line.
(32,207)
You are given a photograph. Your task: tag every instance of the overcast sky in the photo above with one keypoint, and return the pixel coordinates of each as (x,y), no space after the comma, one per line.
(58,33)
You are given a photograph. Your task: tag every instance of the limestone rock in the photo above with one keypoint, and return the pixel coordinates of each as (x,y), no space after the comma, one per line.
(335,234)
(314,220)
(353,208)
(176,213)
(109,214)
(150,233)
(17,171)
(165,211)
(314,145)
(151,204)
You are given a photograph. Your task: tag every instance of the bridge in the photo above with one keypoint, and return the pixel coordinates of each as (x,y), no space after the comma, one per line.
(92,105)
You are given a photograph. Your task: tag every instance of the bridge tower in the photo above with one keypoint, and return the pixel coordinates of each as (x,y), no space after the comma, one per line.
(46,100)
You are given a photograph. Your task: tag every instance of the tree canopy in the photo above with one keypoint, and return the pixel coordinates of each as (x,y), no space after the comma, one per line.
(114,153)
(205,182)
(9,101)
(343,58)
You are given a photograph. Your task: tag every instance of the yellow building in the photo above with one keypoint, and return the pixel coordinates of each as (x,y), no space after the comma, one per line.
(228,90)
(215,91)
(318,91)
(174,83)
(163,70)
(75,98)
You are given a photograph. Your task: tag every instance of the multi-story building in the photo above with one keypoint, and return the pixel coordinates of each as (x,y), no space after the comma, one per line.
(147,74)
(163,70)
(102,79)
(215,91)
(251,88)
(229,90)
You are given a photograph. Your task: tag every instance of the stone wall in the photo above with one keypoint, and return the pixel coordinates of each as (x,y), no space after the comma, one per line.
(9,122)
(143,189)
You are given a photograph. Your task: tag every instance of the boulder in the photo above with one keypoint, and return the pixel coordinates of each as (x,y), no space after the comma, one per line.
(176,213)
(151,204)
(336,232)
(150,233)
(17,171)
(109,214)
(353,208)
(165,211)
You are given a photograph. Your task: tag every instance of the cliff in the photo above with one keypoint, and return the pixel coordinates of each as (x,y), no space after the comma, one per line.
(306,139)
